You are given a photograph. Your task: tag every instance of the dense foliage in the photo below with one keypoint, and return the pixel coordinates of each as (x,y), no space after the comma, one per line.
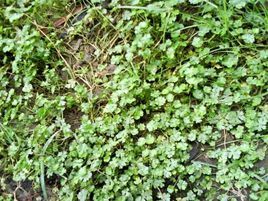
(183,115)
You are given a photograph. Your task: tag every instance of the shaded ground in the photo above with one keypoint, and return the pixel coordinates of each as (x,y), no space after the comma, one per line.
(25,191)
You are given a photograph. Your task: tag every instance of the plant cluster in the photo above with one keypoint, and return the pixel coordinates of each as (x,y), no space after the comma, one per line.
(183,116)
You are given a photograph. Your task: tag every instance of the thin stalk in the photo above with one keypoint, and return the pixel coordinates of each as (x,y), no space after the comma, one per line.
(225,15)
(42,166)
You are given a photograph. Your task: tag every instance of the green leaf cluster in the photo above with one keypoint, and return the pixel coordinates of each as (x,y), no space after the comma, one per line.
(190,75)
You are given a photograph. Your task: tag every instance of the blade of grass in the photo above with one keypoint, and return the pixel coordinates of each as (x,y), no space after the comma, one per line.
(225,16)
(143,8)
(42,167)
(210,3)
(42,180)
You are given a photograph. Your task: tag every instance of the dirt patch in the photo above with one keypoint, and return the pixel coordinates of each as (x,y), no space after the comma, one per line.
(21,191)
(24,190)
(73,116)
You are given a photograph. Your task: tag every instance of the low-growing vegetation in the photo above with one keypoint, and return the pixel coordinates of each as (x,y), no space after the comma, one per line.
(133,100)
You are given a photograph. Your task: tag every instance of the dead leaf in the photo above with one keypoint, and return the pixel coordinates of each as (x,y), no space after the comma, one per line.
(78,9)
(58,23)
(61,21)
(77,44)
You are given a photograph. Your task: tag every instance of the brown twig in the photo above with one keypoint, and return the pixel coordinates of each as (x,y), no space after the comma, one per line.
(224,138)
(57,50)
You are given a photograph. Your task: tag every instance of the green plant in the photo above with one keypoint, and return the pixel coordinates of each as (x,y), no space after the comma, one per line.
(188,75)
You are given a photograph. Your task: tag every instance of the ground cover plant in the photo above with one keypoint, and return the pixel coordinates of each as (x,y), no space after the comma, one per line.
(133,100)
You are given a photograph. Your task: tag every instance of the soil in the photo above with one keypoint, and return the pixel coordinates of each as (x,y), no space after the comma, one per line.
(25,191)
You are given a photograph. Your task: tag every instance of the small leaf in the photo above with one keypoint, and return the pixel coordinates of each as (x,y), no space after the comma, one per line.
(160,100)
(82,195)
(150,139)
(195,1)
(197,42)
(141,141)
(248,38)
(198,94)
(171,53)
(230,60)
